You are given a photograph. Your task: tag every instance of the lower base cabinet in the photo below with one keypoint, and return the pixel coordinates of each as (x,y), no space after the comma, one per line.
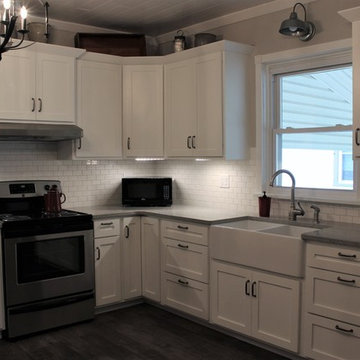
(256,304)
(107,270)
(150,257)
(186,295)
(328,339)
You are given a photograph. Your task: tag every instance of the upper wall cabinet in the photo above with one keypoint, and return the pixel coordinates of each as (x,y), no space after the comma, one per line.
(143,110)
(207,102)
(99,108)
(353,15)
(40,84)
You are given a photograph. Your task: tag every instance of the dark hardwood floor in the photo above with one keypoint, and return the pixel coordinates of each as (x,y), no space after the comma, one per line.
(138,332)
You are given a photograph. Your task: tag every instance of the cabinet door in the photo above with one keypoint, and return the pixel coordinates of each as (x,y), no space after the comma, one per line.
(327,339)
(131,258)
(143,122)
(107,270)
(356,87)
(55,88)
(150,248)
(180,107)
(230,299)
(99,109)
(17,98)
(2,310)
(209,132)
(275,310)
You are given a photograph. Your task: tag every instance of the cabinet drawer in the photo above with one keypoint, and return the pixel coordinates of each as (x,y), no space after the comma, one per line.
(186,295)
(334,258)
(185,259)
(333,294)
(327,339)
(196,234)
(106,227)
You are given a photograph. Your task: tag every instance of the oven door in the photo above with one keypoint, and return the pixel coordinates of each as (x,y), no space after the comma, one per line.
(48,266)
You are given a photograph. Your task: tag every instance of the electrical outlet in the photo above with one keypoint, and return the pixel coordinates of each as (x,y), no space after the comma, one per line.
(225,181)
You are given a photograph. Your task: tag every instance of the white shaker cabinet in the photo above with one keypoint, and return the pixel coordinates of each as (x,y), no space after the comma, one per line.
(256,304)
(332,317)
(207,103)
(40,84)
(150,249)
(2,311)
(131,257)
(143,124)
(353,15)
(99,96)
(107,261)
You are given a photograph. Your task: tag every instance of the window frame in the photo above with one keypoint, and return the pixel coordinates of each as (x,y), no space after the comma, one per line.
(331,54)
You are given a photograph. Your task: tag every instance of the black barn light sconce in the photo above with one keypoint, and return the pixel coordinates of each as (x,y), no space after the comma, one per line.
(302,29)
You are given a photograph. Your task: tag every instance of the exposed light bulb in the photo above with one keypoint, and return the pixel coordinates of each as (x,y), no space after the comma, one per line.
(23,12)
(7,4)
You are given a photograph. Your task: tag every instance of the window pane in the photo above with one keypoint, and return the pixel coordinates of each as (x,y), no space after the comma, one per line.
(318,160)
(316,99)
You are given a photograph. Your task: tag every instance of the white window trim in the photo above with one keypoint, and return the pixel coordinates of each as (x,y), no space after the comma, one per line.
(327,54)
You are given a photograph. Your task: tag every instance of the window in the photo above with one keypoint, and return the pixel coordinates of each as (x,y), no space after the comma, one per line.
(313,127)
(304,122)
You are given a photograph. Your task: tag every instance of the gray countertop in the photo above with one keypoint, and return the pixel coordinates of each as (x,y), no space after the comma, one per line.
(179,212)
(330,233)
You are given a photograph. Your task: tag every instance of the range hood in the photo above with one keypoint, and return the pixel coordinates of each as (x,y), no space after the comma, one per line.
(38,132)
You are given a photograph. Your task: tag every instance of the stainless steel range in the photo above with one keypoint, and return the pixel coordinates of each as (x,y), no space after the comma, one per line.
(48,260)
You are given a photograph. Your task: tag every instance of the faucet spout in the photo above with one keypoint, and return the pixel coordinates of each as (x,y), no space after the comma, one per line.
(294,212)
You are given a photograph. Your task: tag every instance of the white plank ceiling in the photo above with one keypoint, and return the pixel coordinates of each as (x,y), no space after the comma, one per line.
(151,17)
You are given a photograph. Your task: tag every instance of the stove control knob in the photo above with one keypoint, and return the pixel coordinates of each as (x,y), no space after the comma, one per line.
(47,187)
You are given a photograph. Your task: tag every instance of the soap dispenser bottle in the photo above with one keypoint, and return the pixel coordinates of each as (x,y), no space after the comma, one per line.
(264,205)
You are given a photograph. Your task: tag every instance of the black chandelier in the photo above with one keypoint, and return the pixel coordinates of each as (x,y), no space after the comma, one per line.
(10,13)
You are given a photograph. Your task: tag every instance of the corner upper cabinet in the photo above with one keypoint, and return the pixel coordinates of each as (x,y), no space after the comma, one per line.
(40,84)
(353,15)
(207,102)
(99,109)
(143,120)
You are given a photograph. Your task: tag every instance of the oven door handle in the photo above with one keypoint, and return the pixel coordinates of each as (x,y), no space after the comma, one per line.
(98,253)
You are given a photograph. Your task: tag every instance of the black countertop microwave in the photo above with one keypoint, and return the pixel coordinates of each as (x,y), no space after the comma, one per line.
(149,191)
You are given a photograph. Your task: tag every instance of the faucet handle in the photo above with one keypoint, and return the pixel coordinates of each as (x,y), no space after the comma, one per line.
(301,209)
(316,213)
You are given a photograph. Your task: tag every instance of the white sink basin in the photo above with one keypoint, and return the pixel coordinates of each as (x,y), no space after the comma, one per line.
(249,225)
(268,246)
(288,230)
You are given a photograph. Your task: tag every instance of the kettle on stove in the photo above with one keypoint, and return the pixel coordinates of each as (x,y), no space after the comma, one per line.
(53,200)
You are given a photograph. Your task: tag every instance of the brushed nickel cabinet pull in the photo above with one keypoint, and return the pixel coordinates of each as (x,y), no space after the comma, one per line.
(247,290)
(352,281)
(193,142)
(183,227)
(353,256)
(183,246)
(188,142)
(182,282)
(349,331)
(40,104)
(357,136)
